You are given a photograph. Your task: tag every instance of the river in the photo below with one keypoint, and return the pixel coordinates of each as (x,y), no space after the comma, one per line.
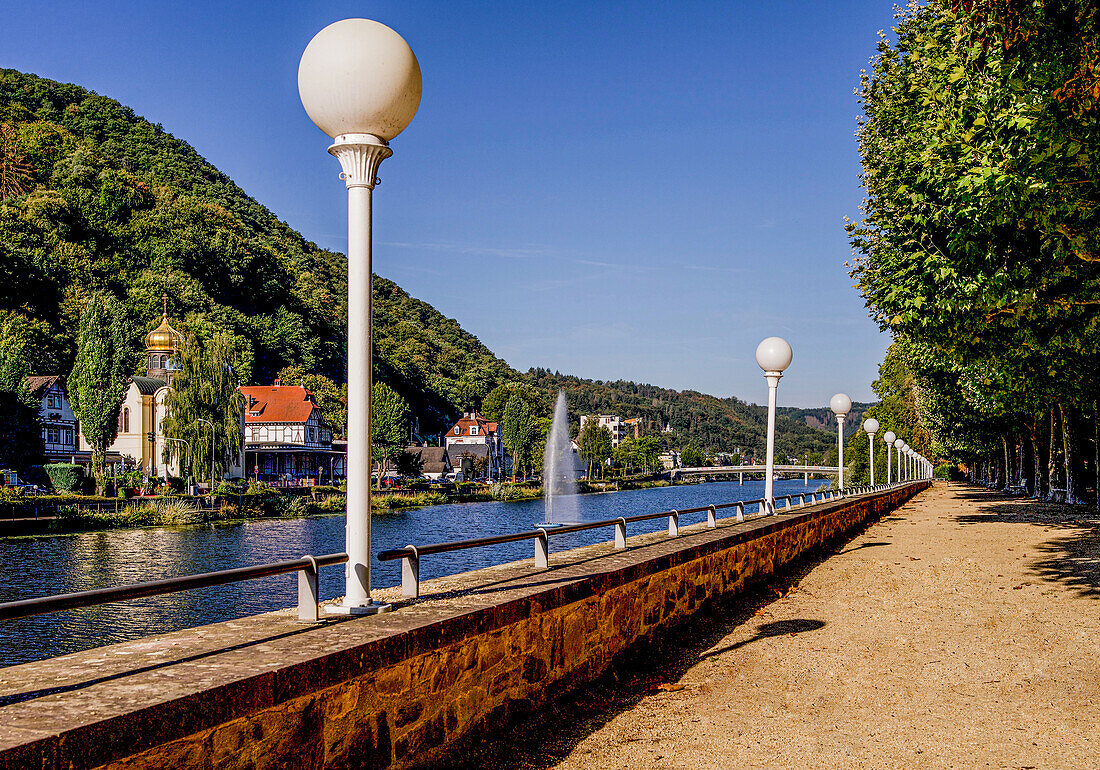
(55,564)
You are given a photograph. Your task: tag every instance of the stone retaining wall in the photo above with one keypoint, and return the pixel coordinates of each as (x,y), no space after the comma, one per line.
(403,697)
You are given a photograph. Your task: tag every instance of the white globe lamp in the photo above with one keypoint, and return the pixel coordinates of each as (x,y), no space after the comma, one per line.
(773,355)
(841,405)
(871,426)
(360,83)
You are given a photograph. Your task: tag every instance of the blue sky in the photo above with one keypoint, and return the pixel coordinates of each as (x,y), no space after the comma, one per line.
(635,191)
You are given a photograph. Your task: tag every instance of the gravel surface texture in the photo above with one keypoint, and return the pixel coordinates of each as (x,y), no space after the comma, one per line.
(962,631)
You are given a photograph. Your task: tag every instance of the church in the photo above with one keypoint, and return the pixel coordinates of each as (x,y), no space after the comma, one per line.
(143,409)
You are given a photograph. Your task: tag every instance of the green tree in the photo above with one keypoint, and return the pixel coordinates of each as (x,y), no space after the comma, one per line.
(389,425)
(206,388)
(518,431)
(595,444)
(100,375)
(691,457)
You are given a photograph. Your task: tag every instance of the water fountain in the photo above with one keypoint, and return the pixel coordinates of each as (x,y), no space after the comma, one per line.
(559,471)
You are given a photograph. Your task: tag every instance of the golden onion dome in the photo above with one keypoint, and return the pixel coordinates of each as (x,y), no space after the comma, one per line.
(163,339)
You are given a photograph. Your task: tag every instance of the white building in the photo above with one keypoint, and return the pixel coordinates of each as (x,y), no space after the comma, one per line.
(618,427)
(59,427)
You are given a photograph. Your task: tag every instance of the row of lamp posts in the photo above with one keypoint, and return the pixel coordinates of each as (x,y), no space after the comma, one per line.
(360,83)
(774,355)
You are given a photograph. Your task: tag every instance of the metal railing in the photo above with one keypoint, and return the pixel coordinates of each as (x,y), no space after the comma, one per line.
(410,555)
(306,567)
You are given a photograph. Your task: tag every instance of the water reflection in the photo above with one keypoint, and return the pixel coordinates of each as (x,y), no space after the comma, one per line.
(43,566)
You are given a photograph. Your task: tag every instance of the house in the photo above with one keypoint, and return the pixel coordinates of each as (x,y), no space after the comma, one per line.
(285,439)
(437,463)
(59,427)
(669,460)
(618,427)
(475,437)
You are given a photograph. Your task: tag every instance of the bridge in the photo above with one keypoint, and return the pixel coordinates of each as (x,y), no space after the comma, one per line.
(741,470)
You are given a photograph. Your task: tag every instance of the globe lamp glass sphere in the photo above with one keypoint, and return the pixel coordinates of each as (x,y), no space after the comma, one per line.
(774,354)
(889,438)
(898,443)
(840,404)
(358,76)
(870,425)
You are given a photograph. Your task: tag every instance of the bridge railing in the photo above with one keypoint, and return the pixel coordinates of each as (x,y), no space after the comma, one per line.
(411,555)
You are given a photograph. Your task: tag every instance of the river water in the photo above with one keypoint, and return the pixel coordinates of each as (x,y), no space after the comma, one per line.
(55,564)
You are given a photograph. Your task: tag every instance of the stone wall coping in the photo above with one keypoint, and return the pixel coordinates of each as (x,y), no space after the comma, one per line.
(91,707)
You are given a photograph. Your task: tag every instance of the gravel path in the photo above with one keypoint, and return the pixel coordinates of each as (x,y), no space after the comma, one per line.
(962,631)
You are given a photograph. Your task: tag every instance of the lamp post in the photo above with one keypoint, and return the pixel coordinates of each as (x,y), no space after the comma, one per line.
(841,405)
(898,444)
(871,426)
(773,355)
(360,83)
(889,438)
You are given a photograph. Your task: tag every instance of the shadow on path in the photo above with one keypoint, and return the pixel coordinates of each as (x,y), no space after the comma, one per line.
(1072,558)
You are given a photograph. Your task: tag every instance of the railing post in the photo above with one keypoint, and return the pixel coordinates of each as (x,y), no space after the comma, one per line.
(620,533)
(674,524)
(712,519)
(410,572)
(788,503)
(802,501)
(542,550)
(309,597)
(740,512)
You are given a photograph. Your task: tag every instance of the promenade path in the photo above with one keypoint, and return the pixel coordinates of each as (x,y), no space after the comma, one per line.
(962,631)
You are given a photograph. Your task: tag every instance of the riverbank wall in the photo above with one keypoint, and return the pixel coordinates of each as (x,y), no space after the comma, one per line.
(402,688)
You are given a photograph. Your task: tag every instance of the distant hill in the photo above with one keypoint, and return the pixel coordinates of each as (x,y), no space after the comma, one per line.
(823,418)
(708,422)
(110,201)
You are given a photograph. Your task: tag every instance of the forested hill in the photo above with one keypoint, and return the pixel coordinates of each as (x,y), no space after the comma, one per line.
(708,422)
(823,418)
(97,198)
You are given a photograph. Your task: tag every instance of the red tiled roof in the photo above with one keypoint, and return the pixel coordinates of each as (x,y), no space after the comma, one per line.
(277,403)
(468,420)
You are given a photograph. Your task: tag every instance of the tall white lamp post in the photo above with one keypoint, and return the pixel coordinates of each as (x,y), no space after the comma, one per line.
(773,355)
(889,439)
(841,405)
(871,426)
(898,444)
(360,83)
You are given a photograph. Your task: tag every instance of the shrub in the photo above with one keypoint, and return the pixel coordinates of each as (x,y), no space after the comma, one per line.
(177,511)
(65,477)
(501,491)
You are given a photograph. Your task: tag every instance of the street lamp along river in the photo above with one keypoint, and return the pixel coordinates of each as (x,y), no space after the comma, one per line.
(360,83)
(773,355)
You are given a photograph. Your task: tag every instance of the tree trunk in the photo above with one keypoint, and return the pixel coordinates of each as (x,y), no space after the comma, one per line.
(1006,479)
(99,462)
(1069,448)
(1031,460)
(1052,457)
